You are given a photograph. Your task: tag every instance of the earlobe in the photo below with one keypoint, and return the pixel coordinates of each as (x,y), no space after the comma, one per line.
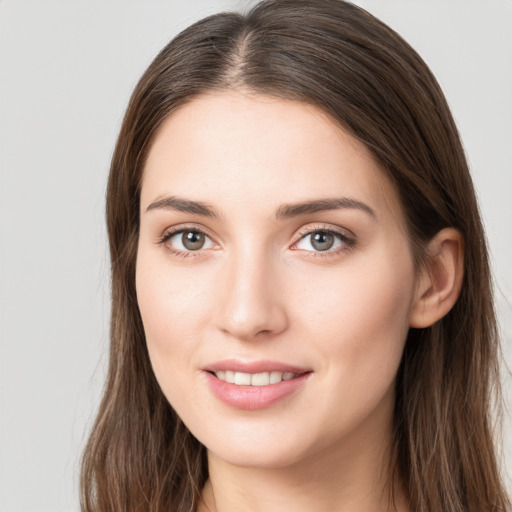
(440,281)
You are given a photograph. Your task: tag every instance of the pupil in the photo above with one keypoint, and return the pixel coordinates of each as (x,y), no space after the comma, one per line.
(193,240)
(322,241)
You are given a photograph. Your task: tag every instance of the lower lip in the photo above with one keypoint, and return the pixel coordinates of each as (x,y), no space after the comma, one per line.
(254,397)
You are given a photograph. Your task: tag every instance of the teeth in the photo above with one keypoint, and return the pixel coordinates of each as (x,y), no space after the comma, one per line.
(242,379)
(275,377)
(254,379)
(260,379)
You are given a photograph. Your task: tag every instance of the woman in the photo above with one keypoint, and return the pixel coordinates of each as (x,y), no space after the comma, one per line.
(302,315)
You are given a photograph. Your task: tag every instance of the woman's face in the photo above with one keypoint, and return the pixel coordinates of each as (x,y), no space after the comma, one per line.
(272,253)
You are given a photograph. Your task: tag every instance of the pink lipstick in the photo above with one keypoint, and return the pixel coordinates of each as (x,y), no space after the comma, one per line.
(254,385)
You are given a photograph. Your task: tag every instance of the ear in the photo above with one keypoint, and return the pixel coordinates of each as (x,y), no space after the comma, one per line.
(440,280)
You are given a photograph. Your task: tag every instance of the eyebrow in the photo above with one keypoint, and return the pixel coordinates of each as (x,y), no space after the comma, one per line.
(285,211)
(183,205)
(296,209)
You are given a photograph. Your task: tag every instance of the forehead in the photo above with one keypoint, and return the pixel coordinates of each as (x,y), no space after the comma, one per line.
(229,148)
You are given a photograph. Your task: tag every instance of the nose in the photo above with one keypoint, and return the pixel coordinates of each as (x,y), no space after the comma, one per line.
(252,303)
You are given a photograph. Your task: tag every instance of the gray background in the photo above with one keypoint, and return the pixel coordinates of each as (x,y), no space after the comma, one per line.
(66,71)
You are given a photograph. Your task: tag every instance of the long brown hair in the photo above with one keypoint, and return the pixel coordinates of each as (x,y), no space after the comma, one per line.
(332,54)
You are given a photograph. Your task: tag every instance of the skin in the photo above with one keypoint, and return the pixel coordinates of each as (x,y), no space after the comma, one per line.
(259,289)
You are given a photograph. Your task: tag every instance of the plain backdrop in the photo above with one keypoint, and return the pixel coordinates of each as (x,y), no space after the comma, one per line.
(67,69)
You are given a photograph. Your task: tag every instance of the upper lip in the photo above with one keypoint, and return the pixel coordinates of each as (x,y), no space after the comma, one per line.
(235,365)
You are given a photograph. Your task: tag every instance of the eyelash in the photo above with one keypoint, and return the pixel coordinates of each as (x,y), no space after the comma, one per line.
(348,241)
(172,232)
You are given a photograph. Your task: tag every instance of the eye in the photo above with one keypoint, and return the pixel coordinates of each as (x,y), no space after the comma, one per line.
(187,240)
(323,240)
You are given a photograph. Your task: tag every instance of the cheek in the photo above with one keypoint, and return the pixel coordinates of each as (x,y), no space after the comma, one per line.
(356,322)
(174,311)
(359,319)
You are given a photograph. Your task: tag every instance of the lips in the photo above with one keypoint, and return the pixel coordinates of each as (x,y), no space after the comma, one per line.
(254,379)
(254,385)
(254,366)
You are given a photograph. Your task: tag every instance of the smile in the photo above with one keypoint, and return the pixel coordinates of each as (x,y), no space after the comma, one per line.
(255,385)
(254,379)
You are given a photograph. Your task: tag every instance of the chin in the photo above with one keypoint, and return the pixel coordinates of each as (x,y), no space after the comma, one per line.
(257,457)
(261,447)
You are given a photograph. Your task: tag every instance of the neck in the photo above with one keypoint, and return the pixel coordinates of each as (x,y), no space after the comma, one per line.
(353,476)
